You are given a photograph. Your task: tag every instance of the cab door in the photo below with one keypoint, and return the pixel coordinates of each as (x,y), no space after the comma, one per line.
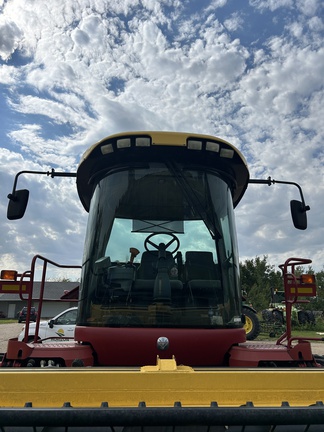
(63,325)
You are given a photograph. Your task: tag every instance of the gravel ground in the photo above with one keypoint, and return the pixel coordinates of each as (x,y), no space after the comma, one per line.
(8,331)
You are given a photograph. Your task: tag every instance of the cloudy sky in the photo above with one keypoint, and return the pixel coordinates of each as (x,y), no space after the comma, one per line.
(250,72)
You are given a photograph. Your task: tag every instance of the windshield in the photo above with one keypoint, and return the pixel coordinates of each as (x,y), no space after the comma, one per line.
(161,250)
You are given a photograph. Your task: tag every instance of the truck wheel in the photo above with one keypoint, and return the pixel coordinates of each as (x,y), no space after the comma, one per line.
(252,324)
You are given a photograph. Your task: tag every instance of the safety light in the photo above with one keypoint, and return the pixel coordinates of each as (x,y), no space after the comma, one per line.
(212,146)
(227,153)
(9,274)
(194,145)
(307,278)
(107,148)
(123,143)
(143,142)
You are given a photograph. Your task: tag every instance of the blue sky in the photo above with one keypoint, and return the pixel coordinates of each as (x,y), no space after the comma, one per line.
(250,72)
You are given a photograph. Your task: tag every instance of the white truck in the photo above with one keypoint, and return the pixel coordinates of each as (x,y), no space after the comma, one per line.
(59,328)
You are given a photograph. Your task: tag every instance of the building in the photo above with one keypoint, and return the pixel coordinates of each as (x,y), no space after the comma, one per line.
(58,296)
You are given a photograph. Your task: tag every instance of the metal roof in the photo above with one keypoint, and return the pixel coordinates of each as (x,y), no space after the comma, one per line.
(53,291)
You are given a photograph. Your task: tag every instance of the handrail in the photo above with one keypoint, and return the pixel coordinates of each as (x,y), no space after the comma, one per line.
(290,280)
(30,298)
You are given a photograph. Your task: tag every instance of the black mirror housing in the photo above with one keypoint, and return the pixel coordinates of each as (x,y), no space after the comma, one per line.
(17,204)
(298,214)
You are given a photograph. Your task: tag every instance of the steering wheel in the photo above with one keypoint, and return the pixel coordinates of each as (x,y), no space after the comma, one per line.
(162,246)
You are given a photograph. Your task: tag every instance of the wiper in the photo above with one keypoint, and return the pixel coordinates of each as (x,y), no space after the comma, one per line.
(193,199)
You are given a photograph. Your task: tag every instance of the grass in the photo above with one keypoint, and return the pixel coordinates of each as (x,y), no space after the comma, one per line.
(306,330)
(306,333)
(300,333)
(8,321)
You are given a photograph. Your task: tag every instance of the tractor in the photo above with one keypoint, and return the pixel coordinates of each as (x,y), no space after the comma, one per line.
(276,313)
(252,324)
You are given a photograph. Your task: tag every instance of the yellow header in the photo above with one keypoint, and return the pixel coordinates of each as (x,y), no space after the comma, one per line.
(53,387)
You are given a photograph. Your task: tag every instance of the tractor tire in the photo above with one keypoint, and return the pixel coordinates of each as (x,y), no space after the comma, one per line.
(302,317)
(267,316)
(278,316)
(252,324)
(310,317)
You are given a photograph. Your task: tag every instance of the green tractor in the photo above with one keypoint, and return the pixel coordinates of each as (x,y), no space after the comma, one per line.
(276,313)
(252,324)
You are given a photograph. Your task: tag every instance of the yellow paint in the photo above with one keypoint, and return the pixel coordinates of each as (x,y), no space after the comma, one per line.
(88,387)
(302,291)
(14,288)
(163,139)
(60,332)
(166,365)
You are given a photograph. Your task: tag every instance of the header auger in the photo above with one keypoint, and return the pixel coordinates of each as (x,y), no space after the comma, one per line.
(159,340)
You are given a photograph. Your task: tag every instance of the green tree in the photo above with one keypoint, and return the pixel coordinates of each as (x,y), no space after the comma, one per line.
(318,302)
(257,279)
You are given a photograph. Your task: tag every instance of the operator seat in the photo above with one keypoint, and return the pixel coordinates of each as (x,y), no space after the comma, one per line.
(143,286)
(202,277)
(148,266)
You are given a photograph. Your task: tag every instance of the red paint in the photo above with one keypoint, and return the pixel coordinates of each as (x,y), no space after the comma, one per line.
(138,346)
(250,355)
(20,351)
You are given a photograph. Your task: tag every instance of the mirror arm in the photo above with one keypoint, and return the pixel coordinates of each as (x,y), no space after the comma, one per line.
(52,174)
(269,181)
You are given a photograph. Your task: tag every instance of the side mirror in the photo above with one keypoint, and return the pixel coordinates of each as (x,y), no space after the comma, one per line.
(19,198)
(298,214)
(298,208)
(17,204)
(51,323)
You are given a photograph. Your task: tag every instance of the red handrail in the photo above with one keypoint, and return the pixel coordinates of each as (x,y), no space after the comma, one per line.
(31,273)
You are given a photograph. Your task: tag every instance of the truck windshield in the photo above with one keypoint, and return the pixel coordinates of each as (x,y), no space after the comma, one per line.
(161,250)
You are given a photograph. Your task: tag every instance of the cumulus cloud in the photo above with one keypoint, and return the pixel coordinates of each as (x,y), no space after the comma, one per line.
(308,7)
(271,4)
(10,36)
(79,71)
